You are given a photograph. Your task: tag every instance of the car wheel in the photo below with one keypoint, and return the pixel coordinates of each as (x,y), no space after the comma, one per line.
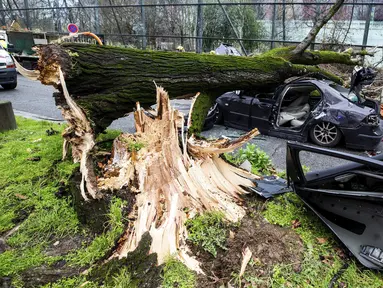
(9,86)
(325,134)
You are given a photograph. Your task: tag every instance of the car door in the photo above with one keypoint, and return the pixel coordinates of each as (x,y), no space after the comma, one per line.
(238,111)
(347,198)
(261,111)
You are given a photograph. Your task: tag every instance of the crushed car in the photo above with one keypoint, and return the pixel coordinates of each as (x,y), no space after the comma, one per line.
(307,109)
(347,198)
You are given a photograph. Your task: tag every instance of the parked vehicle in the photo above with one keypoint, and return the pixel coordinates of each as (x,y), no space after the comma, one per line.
(347,198)
(304,109)
(8,74)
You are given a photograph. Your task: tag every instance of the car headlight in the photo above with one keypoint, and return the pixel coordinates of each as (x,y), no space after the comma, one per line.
(373,120)
(9,62)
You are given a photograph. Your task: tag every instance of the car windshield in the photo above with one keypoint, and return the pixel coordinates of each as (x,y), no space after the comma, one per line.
(351,96)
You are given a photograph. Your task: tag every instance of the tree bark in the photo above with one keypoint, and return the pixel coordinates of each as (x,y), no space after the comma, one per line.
(7,117)
(106,82)
(317,27)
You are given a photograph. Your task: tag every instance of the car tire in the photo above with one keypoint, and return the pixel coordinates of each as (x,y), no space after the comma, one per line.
(9,86)
(325,134)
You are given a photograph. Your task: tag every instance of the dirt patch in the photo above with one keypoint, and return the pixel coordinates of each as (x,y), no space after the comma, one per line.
(63,246)
(270,245)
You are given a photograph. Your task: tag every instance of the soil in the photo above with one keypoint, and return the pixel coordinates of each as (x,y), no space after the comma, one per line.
(63,246)
(270,245)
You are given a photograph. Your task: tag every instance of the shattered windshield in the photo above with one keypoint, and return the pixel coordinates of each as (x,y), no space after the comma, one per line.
(351,96)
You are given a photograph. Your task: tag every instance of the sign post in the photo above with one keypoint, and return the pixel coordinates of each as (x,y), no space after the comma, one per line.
(72,28)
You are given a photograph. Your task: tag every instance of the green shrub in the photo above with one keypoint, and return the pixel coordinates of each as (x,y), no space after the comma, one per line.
(259,160)
(208,231)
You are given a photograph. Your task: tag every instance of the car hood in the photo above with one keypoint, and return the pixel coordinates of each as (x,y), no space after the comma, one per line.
(3,53)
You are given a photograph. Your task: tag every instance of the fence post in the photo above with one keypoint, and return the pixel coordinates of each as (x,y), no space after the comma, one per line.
(284,21)
(97,18)
(143,22)
(199,27)
(273,24)
(2,13)
(367,26)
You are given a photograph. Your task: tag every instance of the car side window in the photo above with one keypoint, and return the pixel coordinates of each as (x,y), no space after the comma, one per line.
(298,95)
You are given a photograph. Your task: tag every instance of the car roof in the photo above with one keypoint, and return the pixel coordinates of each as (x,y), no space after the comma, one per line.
(313,81)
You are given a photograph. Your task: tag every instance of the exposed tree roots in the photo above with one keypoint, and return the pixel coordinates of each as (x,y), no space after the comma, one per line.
(172,184)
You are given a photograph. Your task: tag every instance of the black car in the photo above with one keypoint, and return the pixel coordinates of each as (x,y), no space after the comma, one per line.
(347,198)
(303,109)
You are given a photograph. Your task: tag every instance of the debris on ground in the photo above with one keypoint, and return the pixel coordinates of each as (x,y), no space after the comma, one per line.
(246,254)
(269,186)
(372,153)
(51,132)
(34,159)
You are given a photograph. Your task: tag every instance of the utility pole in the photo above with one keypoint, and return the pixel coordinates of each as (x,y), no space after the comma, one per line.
(143,22)
(199,28)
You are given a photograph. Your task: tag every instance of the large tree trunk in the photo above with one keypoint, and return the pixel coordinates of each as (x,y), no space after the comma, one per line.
(106,82)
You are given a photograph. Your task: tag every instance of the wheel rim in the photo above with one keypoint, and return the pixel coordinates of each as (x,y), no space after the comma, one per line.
(325,133)
(212,109)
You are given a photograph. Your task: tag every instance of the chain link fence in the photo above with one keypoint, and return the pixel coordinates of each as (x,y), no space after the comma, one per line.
(201,25)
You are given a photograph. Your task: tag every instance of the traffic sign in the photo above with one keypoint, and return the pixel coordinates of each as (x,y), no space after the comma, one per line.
(72,28)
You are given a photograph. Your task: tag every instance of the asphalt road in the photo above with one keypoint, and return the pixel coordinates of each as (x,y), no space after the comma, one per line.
(34,100)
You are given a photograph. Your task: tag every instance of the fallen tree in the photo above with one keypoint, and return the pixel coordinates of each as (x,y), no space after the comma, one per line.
(106,82)
(172,174)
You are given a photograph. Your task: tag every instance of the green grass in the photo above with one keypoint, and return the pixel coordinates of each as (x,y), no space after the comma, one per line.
(14,261)
(177,274)
(314,272)
(208,231)
(103,243)
(27,196)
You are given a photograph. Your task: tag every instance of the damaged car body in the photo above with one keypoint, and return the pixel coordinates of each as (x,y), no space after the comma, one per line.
(304,109)
(347,198)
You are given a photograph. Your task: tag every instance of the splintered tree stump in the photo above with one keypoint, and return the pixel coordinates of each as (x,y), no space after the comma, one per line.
(7,117)
(173,177)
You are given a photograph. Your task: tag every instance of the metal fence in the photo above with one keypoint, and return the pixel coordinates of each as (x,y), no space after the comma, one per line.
(200,25)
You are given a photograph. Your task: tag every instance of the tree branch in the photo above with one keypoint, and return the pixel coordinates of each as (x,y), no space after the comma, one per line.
(317,27)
